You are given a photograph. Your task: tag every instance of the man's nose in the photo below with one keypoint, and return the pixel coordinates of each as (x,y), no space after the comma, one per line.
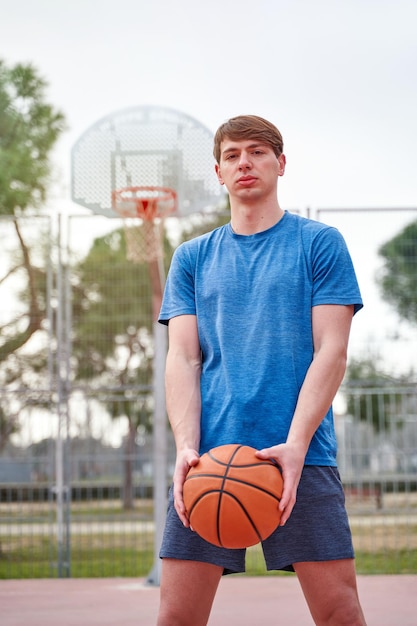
(244,161)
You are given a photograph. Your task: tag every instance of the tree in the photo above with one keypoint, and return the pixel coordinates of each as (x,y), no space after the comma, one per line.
(398,278)
(29,129)
(112,345)
(112,308)
(373,396)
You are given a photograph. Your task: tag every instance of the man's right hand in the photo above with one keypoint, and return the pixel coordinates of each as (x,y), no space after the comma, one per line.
(185,459)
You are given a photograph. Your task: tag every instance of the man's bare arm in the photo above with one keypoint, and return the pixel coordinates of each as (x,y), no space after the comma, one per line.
(183,399)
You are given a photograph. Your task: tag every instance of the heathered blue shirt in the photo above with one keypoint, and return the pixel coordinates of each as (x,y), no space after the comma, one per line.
(252,296)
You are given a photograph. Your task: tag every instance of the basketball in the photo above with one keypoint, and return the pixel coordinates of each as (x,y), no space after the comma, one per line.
(232,497)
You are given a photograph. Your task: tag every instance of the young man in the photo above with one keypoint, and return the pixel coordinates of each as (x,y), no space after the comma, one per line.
(259,315)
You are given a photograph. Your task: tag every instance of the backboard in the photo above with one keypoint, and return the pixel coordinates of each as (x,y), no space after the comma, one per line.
(145,146)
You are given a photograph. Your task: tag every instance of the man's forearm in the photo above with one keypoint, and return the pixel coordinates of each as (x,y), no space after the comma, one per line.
(320,386)
(183,400)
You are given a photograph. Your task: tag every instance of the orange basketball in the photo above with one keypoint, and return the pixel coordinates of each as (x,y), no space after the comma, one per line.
(232,497)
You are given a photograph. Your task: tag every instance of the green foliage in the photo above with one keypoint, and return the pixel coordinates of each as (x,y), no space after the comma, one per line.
(112,309)
(386,562)
(373,396)
(29,128)
(398,279)
(112,314)
(98,556)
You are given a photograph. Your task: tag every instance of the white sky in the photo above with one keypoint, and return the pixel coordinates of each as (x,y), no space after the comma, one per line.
(338,77)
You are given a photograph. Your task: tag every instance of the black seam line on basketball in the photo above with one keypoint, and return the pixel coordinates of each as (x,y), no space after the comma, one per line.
(219,502)
(247,516)
(231,495)
(200,497)
(221,489)
(244,465)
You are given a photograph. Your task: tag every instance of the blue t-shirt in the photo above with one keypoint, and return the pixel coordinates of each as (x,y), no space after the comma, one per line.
(252,295)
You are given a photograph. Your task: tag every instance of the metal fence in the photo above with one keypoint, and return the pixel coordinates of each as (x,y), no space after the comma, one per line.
(77,458)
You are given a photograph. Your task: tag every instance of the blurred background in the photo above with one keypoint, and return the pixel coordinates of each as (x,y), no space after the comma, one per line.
(78,383)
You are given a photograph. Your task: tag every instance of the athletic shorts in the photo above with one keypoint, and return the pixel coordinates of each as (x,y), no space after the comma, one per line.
(317,530)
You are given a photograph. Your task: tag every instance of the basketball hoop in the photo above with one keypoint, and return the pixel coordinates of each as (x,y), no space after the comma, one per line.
(143,210)
(147,145)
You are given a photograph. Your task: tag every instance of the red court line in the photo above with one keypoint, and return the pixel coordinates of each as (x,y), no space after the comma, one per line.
(240,601)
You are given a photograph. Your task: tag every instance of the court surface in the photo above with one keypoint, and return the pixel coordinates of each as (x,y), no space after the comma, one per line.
(240,601)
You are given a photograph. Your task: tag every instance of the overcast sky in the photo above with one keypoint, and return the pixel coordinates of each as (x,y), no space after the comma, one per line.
(337,77)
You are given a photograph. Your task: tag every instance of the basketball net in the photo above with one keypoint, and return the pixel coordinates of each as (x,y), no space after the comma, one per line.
(143,240)
(143,210)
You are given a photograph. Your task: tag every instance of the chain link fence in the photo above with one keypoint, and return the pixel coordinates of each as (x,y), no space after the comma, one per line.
(76,402)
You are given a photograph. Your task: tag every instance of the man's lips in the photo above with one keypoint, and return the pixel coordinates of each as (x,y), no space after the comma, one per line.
(245,181)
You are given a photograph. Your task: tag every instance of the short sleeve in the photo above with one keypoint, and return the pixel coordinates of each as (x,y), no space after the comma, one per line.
(334,277)
(179,292)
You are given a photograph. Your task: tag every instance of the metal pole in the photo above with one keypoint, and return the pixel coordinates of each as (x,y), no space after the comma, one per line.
(157,275)
(59,447)
(62,415)
(66,293)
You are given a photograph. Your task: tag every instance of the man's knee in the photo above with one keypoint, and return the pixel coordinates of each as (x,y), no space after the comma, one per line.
(342,615)
(330,591)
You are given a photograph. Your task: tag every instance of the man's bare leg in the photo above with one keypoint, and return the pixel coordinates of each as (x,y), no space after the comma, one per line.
(187,592)
(331,592)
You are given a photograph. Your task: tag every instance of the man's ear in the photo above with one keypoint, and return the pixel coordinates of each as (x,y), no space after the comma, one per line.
(219,176)
(282,162)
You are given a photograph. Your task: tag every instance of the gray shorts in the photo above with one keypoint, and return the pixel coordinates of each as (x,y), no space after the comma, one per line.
(317,530)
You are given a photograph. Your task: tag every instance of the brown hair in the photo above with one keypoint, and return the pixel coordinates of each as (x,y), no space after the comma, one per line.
(248,127)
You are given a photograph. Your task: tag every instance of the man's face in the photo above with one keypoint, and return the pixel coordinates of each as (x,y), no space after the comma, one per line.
(249,168)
